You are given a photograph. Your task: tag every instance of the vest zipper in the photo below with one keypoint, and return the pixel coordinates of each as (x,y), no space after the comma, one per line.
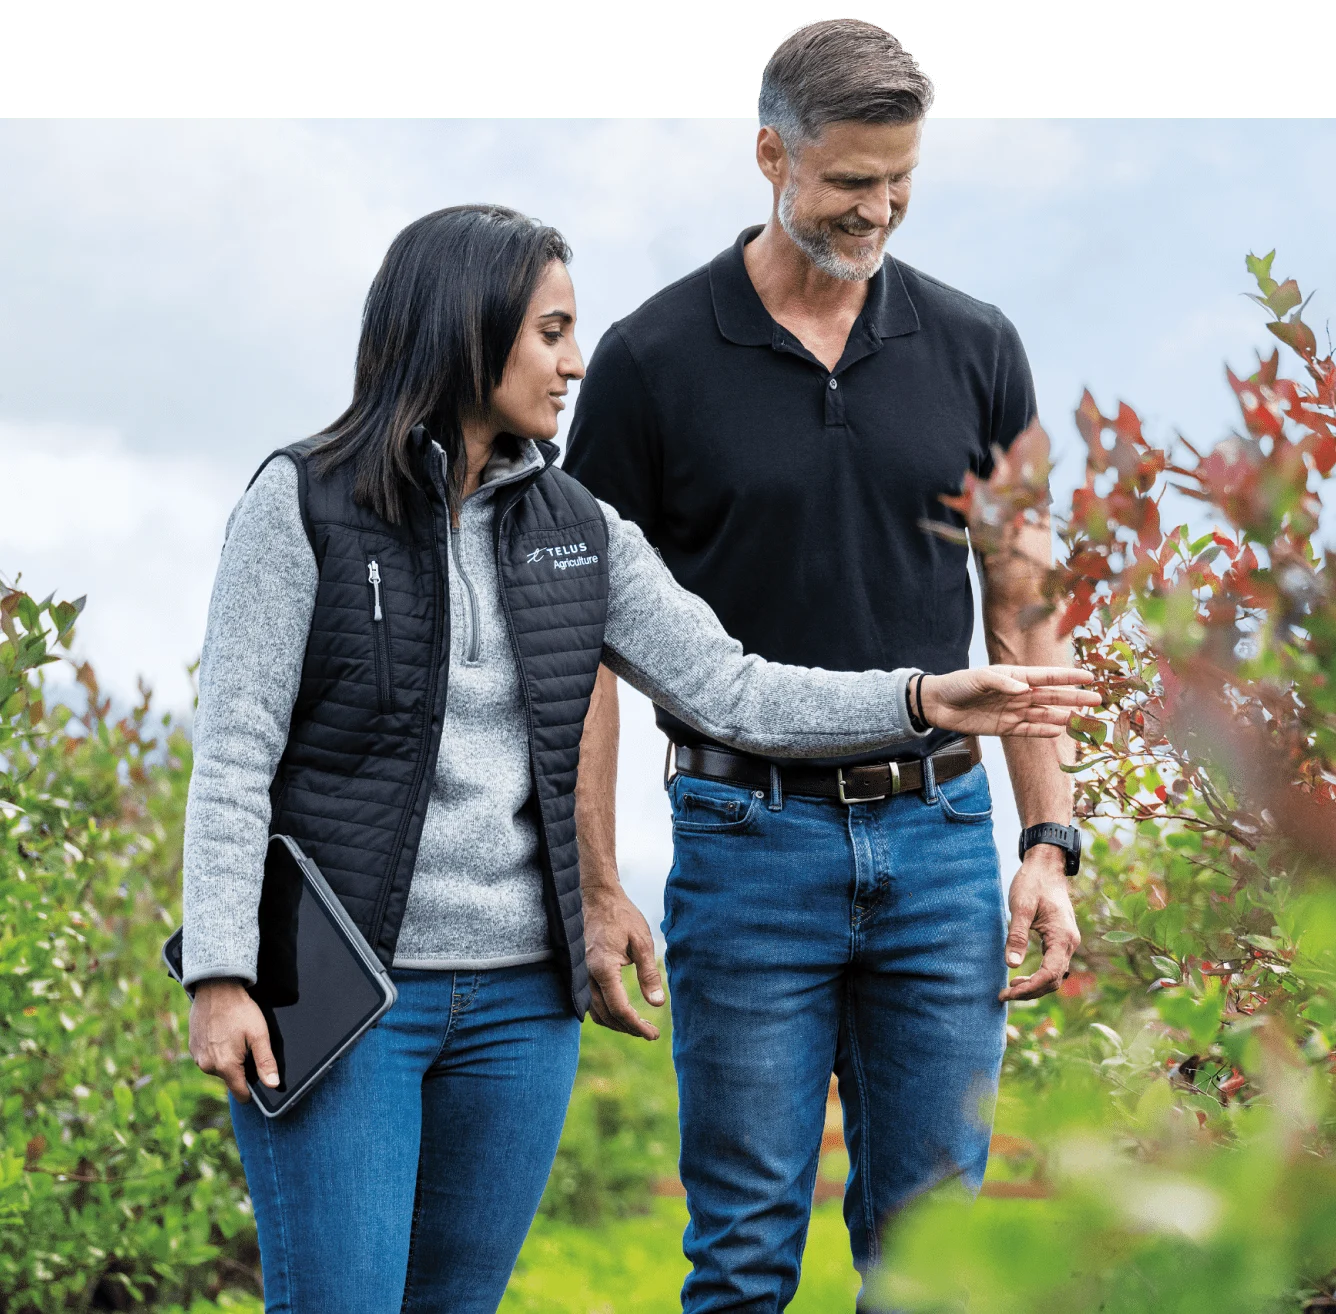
(380,641)
(472,639)
(441,645)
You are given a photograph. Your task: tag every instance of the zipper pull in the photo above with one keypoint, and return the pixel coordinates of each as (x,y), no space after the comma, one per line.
(373,574)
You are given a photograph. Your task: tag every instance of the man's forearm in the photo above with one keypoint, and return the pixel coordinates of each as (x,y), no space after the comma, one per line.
(1043,790)
(1012,584)
(596,786)
(616,932)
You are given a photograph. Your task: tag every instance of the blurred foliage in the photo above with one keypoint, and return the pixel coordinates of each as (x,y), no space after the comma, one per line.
(1168,1123)
(119,1179)
(620,1136)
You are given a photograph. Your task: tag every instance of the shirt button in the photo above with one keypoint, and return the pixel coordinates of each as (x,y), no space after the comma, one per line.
(834,383)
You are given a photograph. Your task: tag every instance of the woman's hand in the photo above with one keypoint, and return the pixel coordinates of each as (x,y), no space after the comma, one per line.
(1029,702)
(225,1022)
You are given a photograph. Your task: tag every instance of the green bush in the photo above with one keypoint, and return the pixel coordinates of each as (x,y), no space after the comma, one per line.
(1169,1119)
(120,1185)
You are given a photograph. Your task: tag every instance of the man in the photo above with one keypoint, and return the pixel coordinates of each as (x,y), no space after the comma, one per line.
(780,423)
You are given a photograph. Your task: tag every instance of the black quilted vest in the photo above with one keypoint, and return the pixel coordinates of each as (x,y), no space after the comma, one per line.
(352,785)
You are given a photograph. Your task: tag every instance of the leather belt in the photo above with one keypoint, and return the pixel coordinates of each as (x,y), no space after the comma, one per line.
(858,784)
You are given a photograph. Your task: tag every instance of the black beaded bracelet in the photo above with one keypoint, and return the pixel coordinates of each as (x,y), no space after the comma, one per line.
(917,721)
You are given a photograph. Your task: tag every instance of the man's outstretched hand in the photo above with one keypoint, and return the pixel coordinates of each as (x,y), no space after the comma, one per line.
(616,933)
(1041,902)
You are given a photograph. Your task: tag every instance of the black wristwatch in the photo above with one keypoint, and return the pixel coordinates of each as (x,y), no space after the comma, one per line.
(1067,838)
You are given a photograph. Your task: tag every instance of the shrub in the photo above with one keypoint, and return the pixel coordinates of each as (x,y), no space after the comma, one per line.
(1173,1107)
(120,1184)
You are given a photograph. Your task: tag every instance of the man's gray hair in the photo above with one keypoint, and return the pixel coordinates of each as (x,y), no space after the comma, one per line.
(840,71)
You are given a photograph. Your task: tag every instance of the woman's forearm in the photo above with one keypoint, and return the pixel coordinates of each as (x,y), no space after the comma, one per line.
(250,668)
(667,643)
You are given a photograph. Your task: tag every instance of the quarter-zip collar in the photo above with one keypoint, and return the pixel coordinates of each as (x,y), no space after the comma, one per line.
(502,469)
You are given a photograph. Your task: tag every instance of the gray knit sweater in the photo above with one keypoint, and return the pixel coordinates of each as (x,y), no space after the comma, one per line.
(476,898)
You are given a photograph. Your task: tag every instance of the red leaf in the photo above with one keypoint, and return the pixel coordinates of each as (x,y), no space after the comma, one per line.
(1296,335)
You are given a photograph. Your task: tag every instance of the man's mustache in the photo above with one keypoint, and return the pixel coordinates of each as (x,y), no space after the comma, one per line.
(856,227)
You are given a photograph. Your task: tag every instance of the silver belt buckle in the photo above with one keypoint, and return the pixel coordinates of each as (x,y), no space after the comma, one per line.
(871,798)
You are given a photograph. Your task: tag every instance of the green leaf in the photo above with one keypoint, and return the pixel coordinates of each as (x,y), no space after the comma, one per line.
(1284,298)
(1119,937)
(1198,1016)
(1260,268)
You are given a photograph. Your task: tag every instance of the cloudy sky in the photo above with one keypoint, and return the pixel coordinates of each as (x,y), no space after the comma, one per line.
(179,298)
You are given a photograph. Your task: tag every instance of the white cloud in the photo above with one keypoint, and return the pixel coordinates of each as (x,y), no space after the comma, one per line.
(1019,157)
(138,535)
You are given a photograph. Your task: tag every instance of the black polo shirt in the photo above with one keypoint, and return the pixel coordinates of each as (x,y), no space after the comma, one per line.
(788,496)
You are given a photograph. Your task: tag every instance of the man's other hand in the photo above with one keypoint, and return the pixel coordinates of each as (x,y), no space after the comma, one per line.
(616,933)
(1041,902)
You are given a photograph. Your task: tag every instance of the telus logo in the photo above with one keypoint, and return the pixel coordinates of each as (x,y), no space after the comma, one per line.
(566,556)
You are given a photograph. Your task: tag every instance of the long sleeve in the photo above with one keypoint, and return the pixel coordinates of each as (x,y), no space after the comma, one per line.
(250,669)
(668,644)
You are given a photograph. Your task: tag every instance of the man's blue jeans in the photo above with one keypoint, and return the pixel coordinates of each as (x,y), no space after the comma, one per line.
(409,1176)
(806,937)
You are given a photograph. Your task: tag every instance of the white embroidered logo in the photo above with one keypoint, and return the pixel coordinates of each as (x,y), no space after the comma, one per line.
(566,556)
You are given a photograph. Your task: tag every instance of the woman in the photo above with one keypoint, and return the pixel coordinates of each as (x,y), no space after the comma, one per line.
(403,637)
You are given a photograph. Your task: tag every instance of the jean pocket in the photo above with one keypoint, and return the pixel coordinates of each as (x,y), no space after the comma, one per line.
(708,807)
(967,798)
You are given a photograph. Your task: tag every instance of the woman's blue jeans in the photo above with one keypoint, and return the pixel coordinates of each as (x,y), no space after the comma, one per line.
(804,938)
(409,1176)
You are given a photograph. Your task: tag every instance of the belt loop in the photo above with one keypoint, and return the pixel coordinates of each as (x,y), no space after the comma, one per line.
(776,790)
(668,765)
(929,781)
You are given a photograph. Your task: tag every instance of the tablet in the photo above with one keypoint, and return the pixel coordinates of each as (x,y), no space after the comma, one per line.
(318,983)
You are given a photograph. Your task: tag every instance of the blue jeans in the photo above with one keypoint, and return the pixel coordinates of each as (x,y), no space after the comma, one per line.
(409,1176)
(804,938)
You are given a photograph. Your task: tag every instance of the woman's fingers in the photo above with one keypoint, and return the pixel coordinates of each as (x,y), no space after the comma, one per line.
(1066,697)
(1046,715)
(1003,679)
(266,1067)
(1050,675)
(232,1069)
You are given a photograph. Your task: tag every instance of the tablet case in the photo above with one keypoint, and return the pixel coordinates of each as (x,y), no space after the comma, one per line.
(277,984)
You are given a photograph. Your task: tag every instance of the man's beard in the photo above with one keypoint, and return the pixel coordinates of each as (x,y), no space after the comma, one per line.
(817,242)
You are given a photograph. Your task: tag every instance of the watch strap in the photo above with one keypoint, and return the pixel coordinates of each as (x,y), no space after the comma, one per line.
(1067,838)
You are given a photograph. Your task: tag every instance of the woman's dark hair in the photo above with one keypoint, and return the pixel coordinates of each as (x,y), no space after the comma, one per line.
(438,326)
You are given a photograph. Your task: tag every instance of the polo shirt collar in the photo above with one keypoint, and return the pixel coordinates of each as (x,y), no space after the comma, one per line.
(743,318)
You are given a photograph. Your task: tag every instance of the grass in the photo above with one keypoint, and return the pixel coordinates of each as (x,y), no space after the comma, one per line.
(632,1266)
(635,1266)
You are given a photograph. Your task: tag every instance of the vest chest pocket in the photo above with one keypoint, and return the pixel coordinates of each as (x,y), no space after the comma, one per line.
(380,638)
